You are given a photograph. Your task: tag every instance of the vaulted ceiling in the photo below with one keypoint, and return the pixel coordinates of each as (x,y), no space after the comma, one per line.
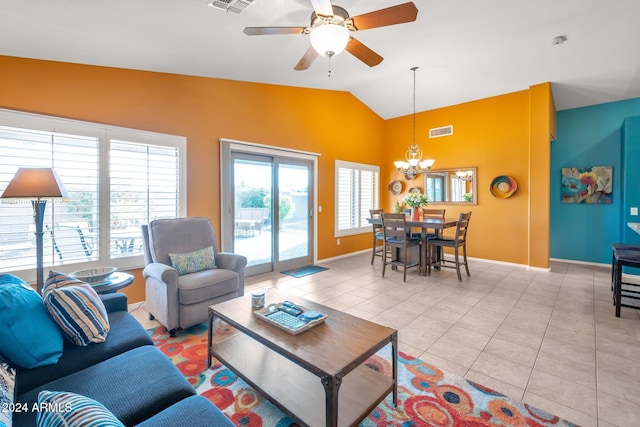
(465,50)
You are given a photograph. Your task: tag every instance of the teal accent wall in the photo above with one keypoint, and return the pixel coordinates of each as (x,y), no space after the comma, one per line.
(631,177)
(590,136)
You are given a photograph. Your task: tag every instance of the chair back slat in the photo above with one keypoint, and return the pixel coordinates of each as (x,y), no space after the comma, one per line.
(376,214)
(394,226)
(462,227)
(437,213)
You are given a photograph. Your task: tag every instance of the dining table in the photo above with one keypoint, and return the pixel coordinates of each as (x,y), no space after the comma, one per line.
(426,223)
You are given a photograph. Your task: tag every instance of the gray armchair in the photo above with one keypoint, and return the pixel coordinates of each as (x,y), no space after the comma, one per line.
(180,301)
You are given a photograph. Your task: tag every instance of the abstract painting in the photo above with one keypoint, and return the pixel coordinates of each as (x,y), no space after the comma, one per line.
(587,185)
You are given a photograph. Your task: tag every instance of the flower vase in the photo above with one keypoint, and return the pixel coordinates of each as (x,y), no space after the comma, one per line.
(415,214)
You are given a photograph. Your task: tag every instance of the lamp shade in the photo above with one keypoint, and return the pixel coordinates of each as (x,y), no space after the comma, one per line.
(329,39)
(35,183)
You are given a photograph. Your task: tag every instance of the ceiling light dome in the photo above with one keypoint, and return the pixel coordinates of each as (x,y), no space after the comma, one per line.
(329,39)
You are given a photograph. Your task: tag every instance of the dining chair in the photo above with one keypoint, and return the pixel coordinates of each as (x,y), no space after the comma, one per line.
(430,213)
(377,234)
(397,242)
(456,242)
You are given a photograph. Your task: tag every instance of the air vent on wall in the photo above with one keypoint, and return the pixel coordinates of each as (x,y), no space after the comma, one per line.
(235,6)
(441,131)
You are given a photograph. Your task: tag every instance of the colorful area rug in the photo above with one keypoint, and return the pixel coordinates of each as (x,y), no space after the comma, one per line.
(427,396)
(304,271)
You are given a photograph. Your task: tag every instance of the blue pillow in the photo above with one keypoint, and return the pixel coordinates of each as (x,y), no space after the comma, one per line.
(74,410)
(28,337)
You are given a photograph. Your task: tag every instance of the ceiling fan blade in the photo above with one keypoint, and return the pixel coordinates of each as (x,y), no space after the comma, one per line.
(268,31)
(363,53)
(306,60)
(322,7)
(406,12)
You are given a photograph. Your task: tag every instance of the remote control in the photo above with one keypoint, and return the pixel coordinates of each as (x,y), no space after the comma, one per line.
(292,311)
(291,305)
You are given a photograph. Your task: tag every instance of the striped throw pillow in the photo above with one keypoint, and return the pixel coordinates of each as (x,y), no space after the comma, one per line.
(79,312)
(66,409)
(58,280)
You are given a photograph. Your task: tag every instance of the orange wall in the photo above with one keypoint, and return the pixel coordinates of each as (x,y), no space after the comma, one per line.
(492,134)
(334,124)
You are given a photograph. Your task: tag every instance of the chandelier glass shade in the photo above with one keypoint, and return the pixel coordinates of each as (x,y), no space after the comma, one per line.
(413,165)
(329,39)
(465,175)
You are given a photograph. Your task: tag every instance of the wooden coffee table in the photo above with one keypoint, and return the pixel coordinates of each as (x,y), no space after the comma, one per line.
(318,376)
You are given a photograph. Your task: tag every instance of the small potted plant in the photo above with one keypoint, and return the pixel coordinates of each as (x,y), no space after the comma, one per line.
(415,201)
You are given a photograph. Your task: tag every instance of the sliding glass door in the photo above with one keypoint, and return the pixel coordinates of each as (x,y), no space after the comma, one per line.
(252,212)
(271,210)
(294,213)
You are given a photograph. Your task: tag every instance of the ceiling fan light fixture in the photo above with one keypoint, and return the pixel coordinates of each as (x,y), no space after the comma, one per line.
(329,39)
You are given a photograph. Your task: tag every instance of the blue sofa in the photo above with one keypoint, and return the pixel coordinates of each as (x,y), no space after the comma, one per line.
(126,373)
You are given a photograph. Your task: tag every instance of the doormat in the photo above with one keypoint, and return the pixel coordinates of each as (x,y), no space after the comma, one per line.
(304,271)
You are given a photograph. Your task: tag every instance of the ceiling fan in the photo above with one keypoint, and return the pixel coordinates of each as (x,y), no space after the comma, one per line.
(330,26)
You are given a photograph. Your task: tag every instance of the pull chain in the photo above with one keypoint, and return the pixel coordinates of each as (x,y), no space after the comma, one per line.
(330,55)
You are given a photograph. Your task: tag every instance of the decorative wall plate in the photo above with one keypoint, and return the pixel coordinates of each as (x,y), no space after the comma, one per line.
(395,187)
(503,187)
(415,190)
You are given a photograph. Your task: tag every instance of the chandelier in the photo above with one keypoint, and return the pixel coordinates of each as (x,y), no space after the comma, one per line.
(413,165)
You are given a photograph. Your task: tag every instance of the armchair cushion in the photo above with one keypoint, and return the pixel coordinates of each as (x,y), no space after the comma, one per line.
(206,284)
(192,262)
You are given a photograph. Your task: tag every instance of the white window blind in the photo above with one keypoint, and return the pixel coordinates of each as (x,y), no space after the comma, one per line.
(357,191)
(117,179)
(145,185)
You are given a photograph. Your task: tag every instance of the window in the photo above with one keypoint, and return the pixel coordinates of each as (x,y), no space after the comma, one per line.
(357,191)
(117,179)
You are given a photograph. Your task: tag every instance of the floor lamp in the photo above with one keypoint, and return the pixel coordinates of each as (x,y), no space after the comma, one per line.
(39,185)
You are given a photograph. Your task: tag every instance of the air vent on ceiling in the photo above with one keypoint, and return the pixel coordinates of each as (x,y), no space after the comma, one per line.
(235,6)
(441,131)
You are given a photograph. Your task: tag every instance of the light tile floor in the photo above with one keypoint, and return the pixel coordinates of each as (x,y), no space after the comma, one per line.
(550,339)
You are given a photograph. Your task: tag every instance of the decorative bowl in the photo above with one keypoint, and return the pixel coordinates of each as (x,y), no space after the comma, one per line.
(93,275)
(503,187)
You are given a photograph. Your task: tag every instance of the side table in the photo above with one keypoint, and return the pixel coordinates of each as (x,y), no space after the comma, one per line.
(116,281)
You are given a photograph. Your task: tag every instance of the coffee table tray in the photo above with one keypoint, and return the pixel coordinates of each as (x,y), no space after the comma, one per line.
(264,312)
